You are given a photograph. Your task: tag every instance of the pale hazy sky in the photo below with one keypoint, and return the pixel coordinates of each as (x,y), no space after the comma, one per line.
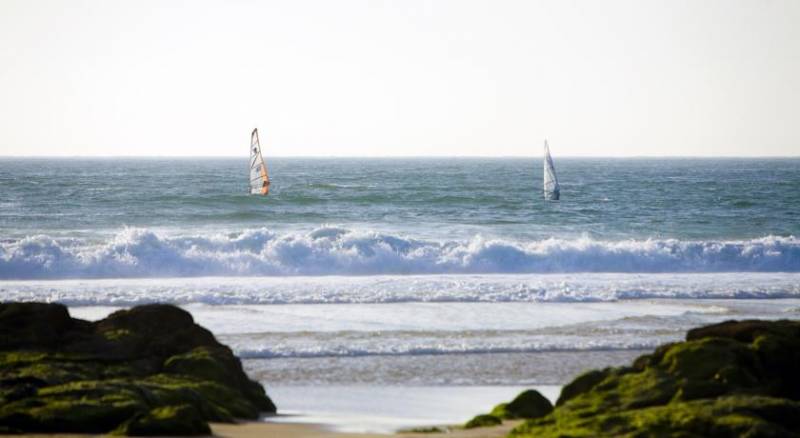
(400,77)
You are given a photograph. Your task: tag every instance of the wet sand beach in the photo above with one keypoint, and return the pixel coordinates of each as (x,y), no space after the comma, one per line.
(266,429)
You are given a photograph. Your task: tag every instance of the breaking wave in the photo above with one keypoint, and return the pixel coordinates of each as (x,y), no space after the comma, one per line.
(142,253)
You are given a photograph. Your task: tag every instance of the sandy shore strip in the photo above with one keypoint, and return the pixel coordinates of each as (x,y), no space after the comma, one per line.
(258,429)
(297,430)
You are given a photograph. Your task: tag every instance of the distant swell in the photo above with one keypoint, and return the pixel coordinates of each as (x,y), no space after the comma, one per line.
(141,253)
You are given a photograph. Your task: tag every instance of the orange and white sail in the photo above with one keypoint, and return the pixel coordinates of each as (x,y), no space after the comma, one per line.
(259,178)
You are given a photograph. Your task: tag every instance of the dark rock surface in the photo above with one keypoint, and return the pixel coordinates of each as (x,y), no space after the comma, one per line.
(528,404)
(149,370)
(737,378)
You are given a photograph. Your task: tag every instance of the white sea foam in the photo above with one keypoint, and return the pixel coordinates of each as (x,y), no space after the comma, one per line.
(583,287)
(142,253)
(506,343)
(467,328)
(407,329)
(410,329)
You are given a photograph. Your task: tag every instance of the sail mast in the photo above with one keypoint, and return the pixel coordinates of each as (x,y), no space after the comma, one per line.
(259,178)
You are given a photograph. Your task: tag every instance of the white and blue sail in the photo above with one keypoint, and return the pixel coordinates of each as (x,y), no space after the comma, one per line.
(552,191)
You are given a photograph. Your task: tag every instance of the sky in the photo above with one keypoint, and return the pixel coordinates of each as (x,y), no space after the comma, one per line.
(400,78)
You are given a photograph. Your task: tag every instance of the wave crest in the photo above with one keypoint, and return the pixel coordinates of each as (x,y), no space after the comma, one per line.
(140,253)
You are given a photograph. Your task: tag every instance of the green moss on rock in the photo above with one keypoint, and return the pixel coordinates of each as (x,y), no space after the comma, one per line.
(200,362)
(581,384)
(148,370)
(166,421)
(483,420)
(528,404)
(116,335)
(500,411)
(425,429)
(734,416)
(65,415)
(727,380)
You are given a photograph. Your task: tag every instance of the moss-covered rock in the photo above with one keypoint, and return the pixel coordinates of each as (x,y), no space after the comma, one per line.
(528,404)
(581,384)
(483,420)
(144,371)
(730,416)
(166,421)
(728,380)
(425,429)
(25,325)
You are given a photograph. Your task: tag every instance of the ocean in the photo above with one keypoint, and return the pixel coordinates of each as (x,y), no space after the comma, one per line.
(373,276)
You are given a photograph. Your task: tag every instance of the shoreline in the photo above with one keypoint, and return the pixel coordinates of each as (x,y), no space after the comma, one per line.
(731,378)
(260,429)
(384,410)
(257,429)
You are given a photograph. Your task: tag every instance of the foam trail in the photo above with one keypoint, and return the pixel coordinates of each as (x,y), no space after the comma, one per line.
(268,353)
(591,287)
(142,253)
(630,333)
(578,337)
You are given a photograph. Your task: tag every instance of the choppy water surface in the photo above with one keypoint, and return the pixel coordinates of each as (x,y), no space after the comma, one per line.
(176,218)
(413,271)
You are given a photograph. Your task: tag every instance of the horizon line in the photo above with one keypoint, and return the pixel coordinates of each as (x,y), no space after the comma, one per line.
(397,156)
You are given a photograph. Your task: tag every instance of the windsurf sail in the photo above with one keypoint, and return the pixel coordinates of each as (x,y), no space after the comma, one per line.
(259,178)
(552,191)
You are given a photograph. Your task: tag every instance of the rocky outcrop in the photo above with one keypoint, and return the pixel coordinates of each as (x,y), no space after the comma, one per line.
(528,404)
(726,380)
(483,420)
(149,370)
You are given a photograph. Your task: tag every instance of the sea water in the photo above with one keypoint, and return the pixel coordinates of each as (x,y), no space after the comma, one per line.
(379,276)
